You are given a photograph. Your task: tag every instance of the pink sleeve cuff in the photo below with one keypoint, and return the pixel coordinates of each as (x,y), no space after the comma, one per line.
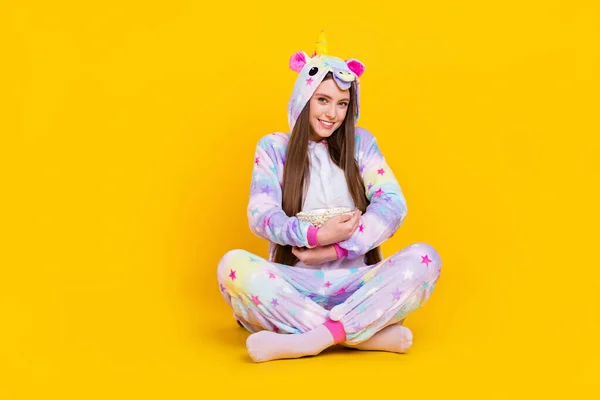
(340,251)
(312,236)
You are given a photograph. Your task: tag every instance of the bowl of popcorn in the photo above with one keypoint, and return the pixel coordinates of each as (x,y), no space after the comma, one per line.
(319,216)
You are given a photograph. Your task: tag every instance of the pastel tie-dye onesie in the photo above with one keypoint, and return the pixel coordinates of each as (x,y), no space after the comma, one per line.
(294,299)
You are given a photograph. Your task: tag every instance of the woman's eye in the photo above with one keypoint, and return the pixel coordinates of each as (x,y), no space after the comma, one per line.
(322,99)
(344,103)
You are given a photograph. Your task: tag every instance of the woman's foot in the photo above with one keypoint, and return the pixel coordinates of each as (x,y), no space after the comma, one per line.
(266,346)
(394,338)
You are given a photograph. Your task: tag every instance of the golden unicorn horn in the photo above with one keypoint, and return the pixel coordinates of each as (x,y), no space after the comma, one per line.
(321,43)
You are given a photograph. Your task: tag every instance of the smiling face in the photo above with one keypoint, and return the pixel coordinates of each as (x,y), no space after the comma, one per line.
(328,108)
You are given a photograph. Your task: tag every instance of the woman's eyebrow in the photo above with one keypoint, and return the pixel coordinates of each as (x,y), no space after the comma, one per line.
(329,97)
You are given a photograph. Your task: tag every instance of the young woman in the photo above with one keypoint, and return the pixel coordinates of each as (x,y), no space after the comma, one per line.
(328,285)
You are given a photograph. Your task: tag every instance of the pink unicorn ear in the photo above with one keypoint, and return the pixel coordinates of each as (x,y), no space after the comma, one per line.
(356,66)
(298,60)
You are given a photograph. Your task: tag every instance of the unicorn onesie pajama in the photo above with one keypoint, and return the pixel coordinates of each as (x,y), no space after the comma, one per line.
(365,299)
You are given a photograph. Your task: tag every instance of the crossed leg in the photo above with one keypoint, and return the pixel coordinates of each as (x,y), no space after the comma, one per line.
(369,319)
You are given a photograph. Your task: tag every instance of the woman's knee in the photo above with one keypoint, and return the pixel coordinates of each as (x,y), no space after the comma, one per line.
(430,257)
(425,256)
(230,260)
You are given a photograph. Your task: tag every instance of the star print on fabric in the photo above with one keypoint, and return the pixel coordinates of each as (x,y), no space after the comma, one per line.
(255,211)
(257,160)
(271,275)
(275,329)
(390,261)
(252,259)
(362,169)
(361,227)
(387,198)
(312,296)
(222,287)
(370,186)
(425,260)
(353,270)
(327,284)
(266,190)
(425,284)
(273,169)
(232,274)
(309,81)
(319,274)
(255,299)
(408,274)
(267,222)
(341,291)
(396,294)
(274,302)
(356,327)
(378,193)
(381,171)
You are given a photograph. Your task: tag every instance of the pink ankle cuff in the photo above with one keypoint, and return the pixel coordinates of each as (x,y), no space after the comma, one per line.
(337,330)
(312,236)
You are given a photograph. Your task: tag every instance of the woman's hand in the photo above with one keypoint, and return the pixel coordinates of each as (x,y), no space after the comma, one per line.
(315,256)
(338,228)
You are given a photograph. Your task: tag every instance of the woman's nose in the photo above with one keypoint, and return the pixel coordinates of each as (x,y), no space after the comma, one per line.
(331,112)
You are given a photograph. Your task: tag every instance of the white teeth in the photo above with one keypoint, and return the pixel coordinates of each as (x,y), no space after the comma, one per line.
(326,123)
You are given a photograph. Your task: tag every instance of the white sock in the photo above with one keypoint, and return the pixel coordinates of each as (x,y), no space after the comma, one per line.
(267,346)
(394,338)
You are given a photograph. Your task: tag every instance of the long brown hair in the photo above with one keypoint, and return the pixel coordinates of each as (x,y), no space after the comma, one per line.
(341,145)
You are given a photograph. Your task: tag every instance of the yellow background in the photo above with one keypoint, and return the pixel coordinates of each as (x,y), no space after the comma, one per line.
(128,132)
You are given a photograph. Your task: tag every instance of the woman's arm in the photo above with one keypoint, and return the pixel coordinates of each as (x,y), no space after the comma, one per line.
(266,217)
(387,208)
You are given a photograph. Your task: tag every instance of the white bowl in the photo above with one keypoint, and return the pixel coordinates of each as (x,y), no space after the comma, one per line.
(319,216)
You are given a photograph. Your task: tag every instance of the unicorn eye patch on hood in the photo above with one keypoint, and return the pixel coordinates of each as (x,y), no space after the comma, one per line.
(313,69)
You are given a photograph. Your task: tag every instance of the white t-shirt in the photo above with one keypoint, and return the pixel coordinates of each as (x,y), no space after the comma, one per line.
(327,189)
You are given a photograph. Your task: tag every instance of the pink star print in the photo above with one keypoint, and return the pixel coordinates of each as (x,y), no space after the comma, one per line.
(275,329)
(378,193)
(271,275)
(327,284)
(425,260)
(232,275)
(257,160)
(267,222)
(381,171)
(309,81)
(342,290)
(361,227)
(255,300)
(274,302)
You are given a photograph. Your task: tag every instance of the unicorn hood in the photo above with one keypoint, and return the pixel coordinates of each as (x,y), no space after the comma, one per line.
(312,70)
